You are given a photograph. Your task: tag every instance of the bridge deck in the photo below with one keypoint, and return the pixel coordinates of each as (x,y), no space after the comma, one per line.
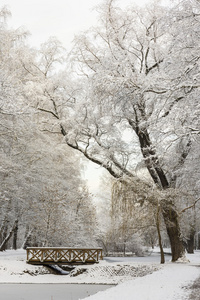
(52,255)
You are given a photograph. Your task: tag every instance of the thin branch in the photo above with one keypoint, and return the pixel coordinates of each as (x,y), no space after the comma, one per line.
(191,206)
(49,111)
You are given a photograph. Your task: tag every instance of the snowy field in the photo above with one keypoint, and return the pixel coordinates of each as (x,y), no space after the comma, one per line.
(136,278)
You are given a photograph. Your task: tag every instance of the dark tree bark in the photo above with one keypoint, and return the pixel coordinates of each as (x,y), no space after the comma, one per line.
(190,242)
(198,241)
(15,233)
(124,249)
(162,256)
(8,237)
(157,173)
(170,217)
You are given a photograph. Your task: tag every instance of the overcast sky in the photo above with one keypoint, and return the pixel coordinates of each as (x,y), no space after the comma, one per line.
(60,18)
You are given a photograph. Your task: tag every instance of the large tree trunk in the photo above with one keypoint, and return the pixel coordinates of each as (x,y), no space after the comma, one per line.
(168,208)
(170,217)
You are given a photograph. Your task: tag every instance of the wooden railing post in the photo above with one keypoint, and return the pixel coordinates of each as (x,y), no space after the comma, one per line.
(42,255)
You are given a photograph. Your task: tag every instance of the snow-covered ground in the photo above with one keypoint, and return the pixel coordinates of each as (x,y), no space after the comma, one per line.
(171,282)
(136,278)
(14,269)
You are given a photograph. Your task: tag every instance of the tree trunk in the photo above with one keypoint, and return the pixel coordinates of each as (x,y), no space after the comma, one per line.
(198,241)
(190,242)
(124,249)
(170,217)
(169,213)
(162,256)
(15,232)
(7,238)
(3,236)
(26,237)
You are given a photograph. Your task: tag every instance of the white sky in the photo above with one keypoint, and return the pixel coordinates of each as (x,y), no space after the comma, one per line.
(60,18)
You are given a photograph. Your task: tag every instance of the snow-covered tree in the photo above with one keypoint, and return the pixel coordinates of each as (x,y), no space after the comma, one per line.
(42,197)
(140,75)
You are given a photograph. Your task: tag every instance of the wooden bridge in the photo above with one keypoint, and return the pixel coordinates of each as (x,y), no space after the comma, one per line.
(51,255)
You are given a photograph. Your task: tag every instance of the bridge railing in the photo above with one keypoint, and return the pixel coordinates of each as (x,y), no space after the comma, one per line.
(42,255)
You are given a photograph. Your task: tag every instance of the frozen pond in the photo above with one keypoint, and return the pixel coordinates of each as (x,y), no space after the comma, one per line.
(152,258)
(49,291)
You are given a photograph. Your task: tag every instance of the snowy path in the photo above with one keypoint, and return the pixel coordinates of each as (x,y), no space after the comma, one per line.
(166,284)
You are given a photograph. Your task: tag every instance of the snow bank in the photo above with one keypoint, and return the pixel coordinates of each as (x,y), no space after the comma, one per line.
(169,283)
(14,269)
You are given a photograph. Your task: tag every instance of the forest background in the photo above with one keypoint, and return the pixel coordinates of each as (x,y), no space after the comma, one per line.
(125,97)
